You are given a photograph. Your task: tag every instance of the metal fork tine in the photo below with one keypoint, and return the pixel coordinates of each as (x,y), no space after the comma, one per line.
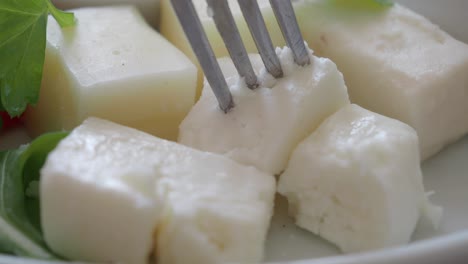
(254,18)
(193,29)
(287,21)
(227,28)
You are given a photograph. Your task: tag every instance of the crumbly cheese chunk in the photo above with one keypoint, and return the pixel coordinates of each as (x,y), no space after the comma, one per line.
(396,63)
(110,193)
(356,181)
(267,123)
(112,65)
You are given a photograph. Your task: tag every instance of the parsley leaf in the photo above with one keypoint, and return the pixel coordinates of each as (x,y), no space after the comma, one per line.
(20,231)
(22,50)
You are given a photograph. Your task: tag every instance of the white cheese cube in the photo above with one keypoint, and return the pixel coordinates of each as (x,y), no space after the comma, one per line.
(149,8)
(267,123)
(114,66)
(172,30)
(114,194)
(396,63)
(356,181)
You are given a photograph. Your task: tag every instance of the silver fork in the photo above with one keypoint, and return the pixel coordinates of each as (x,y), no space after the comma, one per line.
(227,28)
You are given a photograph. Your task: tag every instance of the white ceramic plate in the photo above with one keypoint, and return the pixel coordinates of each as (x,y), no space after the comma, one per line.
(446,174)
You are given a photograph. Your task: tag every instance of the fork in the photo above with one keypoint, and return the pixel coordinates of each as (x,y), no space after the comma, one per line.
(229,32)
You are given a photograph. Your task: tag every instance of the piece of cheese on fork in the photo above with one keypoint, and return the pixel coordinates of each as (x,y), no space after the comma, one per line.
(112,65)
(396,63)
(172,30)
(356,181)
(268,122)
(113,194)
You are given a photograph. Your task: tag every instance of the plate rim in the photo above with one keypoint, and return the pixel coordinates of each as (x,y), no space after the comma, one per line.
(434,250)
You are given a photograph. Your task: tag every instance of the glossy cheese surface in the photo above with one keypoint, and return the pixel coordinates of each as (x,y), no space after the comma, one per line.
(396,63)
(149,8)
(356,181)
(112,193)
(112,65)
(268,122)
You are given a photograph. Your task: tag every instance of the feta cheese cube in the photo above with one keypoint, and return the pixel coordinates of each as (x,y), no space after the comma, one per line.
(268,122)
(114,194)
(396,63)
(112,65)
(356,181)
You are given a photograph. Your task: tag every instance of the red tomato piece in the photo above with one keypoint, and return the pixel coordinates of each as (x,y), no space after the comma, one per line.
(8,122)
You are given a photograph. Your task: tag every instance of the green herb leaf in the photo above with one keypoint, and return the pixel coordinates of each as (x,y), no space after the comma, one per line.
(22,50)
(20,232)
(65,19)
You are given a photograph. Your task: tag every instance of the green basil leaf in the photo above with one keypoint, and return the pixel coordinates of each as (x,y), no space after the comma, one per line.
(20,231)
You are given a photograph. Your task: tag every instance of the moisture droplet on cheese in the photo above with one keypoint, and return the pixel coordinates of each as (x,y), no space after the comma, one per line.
(396,63)
(267,123)
(110,193)
(356,181)
(112,65)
